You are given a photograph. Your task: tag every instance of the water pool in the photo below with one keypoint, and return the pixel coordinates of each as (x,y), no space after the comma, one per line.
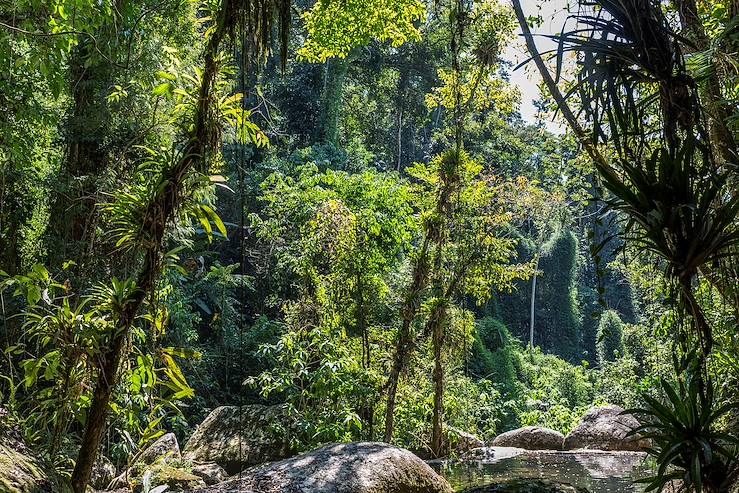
(595,471)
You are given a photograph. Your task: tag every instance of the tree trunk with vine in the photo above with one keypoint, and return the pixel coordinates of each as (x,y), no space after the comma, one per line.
(160,212)
(404,344)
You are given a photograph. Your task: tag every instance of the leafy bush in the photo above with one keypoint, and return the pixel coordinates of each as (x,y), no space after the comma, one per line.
(314,370)
(492,356)
(618,383)
(557,417)
(557,392)
(610,337)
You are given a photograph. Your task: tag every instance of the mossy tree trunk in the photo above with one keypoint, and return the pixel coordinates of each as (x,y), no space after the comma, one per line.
(405,338)
(332,101)
(161,211)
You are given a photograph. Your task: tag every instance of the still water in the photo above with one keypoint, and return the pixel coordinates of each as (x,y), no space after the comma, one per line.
(595,471)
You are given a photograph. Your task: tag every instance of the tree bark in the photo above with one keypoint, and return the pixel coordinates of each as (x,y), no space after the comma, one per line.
(160,212)
(437,321)
(533,303)
(703,328)
(598,159)
(405,341)
(436,325)
(719,110)
(95,426)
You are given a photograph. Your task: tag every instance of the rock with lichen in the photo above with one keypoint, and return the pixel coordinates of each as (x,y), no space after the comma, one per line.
(237,437)
(22,471)
(363,467)
(176,479)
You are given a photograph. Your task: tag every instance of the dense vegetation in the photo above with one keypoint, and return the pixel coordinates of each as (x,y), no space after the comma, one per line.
(223,202)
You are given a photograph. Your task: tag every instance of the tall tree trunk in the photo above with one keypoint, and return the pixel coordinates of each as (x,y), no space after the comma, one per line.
(160,212)
(437,322)
(336,69)
(533,304)
(718,109)
(405,341)
(95,425)
(436,325)
(366,407)
(703,328)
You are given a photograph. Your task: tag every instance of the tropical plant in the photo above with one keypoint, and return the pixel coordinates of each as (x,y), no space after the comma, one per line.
(684,429)
(675,196)
(64,337)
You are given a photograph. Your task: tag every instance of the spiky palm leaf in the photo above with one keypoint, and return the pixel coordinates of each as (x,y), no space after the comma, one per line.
(685,443)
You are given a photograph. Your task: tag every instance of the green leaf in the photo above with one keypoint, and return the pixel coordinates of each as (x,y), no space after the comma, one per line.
(165,75)
(165,89)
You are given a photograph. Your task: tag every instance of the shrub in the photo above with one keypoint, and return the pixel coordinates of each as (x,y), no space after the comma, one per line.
(610,337)
(492,354)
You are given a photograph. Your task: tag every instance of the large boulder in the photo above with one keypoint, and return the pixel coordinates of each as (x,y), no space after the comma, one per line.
(364,467)
(21,471)
(459,441)
(605,428)
(253,428)
(163,474)
(103,472)
(531,438)
(165,448)
(210,472)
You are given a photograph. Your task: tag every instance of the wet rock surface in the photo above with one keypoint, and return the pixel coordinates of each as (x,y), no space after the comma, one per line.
(491,454)
(594,471)
(459,441)
(521,486)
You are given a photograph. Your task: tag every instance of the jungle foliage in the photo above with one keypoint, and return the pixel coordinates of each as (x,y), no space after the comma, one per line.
(339,207)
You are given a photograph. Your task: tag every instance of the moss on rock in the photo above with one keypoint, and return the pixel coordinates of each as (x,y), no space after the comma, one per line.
(161,474)
(22,472)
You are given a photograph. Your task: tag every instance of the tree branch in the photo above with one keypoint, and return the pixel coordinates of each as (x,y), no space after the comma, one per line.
(600,161)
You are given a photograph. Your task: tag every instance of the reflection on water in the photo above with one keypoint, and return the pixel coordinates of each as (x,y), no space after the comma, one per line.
(597,472)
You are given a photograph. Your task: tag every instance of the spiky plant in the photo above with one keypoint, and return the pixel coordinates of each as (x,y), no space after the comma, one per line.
(685,441)
(634,87)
